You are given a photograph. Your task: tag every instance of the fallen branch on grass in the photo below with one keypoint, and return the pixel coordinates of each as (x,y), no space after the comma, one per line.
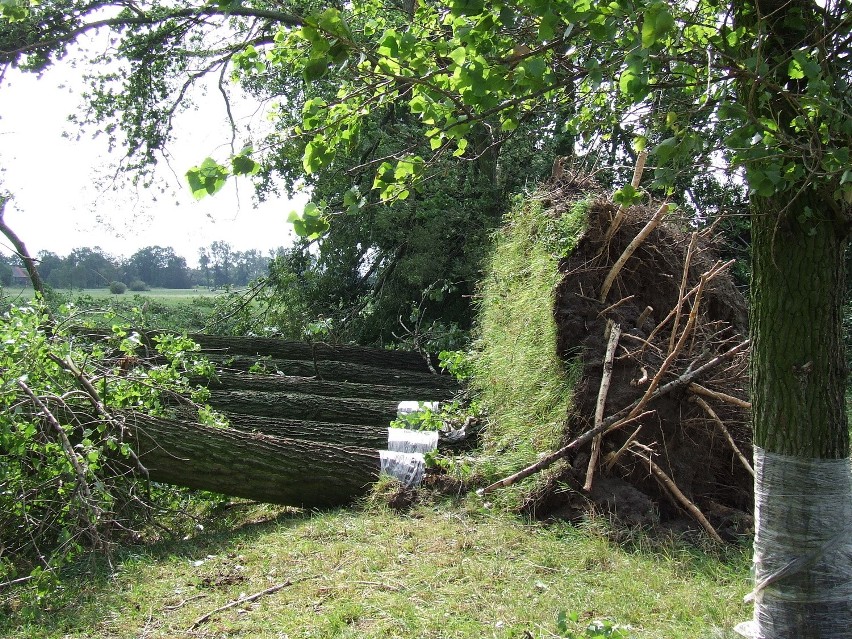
(247,599)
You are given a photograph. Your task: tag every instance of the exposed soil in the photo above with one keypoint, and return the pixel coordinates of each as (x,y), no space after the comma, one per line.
(680,436)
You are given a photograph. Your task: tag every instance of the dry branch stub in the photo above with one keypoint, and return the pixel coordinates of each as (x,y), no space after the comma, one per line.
(668,270)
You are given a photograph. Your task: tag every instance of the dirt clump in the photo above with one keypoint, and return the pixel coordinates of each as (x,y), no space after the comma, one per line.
(674,308)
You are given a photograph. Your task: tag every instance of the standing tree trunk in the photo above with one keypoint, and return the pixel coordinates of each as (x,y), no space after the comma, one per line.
(803,485)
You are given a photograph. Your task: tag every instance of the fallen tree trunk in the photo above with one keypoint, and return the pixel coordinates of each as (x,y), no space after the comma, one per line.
(334,371)
(358,435)
(304,407)
(285,384)
(278,470)
(283,349)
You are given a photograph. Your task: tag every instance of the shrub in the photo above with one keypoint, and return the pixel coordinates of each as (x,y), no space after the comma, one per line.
(139,285)
(117,288)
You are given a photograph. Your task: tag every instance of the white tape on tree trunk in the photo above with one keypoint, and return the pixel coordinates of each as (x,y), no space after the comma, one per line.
(406,467)
(802,548)
(404,440)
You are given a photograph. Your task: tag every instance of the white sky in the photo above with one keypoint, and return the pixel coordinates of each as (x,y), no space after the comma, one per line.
(58,207)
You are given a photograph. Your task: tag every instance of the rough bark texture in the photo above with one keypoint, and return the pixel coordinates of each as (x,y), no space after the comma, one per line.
(359,435)
(798,364)
(294,472)
(334,371)
(282,349)
(798,370)
(305,407)
(288,384)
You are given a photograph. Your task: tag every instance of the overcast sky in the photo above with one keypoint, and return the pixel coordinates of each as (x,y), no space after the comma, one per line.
(58,207)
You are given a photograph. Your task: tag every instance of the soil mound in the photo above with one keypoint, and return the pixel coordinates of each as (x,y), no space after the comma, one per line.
(662,306)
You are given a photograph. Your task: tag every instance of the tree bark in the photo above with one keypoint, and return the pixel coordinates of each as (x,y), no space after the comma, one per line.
(358,435)
(336,371)
(285,384)
(798,365)
(803,484)
(305,407)
(283,349)
(277,470)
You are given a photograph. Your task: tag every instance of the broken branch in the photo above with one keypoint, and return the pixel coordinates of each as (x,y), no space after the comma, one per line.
(722,397)
(668,483)
(246,599)
(733,444)
(606,377)
(631,248)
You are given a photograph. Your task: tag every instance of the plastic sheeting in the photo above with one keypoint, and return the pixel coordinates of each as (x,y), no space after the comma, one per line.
(404,440)
(408,468)
(802,547)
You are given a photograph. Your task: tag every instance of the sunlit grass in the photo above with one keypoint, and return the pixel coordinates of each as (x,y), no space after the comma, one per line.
(525,388)
(452,570)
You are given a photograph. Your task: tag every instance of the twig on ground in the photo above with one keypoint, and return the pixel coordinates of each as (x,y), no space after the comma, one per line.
(247,599)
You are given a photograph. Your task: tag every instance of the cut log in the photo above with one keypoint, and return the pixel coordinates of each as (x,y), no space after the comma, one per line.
(283,349)
(304,407)
(285,384)
(334,371)
(359,435)
(293,472)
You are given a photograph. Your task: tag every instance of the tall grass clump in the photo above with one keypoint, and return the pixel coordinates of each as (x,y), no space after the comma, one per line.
(524,387)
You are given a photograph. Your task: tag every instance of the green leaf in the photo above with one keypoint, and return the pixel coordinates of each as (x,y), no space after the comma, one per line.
(315,69)
(627,195)
(657,22)
(206,179)
(458,55)
(244,165)
(467,7)
(665,150)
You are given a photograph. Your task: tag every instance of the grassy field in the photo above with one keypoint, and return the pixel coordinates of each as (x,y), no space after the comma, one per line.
(442,570)
(173,295)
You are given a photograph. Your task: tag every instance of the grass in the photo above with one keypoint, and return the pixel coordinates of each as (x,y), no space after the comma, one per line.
(445,569)
(524,387)
(166,295)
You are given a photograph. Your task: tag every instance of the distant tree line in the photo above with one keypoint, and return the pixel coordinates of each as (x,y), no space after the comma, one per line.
(153,266)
